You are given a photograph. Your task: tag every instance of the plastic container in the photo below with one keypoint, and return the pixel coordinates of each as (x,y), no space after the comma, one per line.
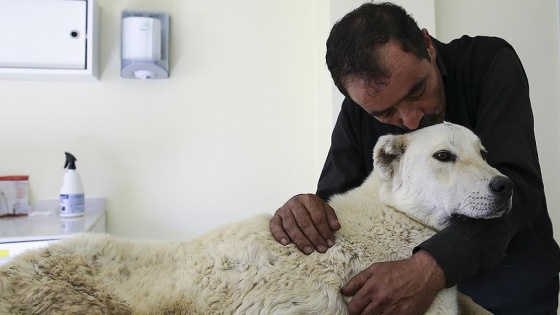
(72,198)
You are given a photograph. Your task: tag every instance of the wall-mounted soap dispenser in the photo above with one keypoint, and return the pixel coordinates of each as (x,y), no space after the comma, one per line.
(144,45)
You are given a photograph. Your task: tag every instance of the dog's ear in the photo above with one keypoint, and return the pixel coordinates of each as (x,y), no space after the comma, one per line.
(387,153)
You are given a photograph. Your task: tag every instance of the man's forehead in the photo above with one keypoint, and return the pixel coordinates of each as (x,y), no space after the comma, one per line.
(382,95)
(362,92)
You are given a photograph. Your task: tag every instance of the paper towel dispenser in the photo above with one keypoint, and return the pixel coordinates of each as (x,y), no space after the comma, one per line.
(48,38)
(144,45)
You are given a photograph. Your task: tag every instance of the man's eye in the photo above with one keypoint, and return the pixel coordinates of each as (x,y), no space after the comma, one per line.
(388,114)
(445,156)
(419,92)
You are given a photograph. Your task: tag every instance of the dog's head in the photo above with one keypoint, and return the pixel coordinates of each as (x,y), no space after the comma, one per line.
(438,172)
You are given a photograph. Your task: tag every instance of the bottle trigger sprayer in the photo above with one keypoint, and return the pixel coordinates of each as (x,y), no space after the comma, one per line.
(72,192)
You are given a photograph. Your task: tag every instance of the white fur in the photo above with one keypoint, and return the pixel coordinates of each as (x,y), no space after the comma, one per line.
(241,269)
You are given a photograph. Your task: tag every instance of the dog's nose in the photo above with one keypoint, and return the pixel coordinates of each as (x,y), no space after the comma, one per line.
(501,185)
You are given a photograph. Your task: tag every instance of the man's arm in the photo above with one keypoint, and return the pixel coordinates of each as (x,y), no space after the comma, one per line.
(345,166)
(307,220)
(504,122)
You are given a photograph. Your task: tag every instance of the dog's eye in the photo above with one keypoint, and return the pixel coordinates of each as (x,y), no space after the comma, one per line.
(483,153)
(444,156)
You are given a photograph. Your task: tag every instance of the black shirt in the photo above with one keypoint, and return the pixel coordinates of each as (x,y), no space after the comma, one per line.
(486,91)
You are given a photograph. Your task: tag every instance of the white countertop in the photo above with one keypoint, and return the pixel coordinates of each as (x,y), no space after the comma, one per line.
(44,223)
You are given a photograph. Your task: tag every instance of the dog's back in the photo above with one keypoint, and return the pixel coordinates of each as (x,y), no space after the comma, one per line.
(236,269)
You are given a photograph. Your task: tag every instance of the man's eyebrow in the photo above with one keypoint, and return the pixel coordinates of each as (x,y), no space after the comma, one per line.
(413,90)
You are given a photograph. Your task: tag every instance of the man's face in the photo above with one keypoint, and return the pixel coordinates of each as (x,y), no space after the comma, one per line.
(411,97)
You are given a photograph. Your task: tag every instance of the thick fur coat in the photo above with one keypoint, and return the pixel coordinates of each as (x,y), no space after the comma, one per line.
(241,269)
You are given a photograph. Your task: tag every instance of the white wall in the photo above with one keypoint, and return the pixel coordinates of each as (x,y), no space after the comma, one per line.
(532,29)
(235,130)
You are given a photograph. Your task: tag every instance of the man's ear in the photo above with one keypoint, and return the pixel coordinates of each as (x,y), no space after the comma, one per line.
(429,44)
(387,154)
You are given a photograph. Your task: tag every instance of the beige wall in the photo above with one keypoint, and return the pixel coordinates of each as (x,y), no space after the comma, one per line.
(236,130)
(532,28)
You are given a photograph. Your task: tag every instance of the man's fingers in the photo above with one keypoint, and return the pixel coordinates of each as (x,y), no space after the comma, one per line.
(333,224)
(360,303)
(322,222)
(305,231)
(375,308)
(319,231)
(307,221)
(278,231)
(394,287)
(285,227)
(364,301)
(356,283)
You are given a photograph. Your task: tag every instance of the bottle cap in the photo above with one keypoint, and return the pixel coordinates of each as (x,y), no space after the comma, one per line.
(70,161)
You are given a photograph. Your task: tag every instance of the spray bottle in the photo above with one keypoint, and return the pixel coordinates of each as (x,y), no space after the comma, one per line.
(72,192)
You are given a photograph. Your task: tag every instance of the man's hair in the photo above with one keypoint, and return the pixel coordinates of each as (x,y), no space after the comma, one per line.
(353,42)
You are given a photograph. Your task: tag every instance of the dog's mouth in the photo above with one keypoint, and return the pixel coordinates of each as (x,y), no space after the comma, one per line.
(496,213)
(502,209)
(494,209)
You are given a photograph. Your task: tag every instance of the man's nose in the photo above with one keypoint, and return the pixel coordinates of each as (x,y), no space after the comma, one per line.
(410,117)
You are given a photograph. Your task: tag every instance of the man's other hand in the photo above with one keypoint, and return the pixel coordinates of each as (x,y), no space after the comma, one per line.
(406,286)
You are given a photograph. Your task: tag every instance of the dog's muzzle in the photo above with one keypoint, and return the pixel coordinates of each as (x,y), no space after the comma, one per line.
(502,189)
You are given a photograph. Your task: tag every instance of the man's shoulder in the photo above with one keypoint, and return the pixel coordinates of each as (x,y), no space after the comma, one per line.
(478,40)
(467,45)
(467,53)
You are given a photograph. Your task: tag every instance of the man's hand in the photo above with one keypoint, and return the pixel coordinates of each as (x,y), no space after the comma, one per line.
(307,221)
(396,287)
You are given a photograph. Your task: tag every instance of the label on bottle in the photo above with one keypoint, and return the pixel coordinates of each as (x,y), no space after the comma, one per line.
(72,205)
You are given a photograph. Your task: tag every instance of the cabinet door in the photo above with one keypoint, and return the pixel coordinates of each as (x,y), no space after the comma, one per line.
(47,34)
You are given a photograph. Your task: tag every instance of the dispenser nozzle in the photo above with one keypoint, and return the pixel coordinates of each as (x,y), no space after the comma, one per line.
(70,161)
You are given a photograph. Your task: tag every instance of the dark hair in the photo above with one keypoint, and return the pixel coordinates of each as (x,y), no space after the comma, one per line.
(353,42)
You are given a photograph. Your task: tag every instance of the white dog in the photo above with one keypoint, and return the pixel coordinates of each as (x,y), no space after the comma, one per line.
(420,181)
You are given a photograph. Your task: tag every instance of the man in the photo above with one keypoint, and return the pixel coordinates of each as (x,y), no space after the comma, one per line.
(397,78)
